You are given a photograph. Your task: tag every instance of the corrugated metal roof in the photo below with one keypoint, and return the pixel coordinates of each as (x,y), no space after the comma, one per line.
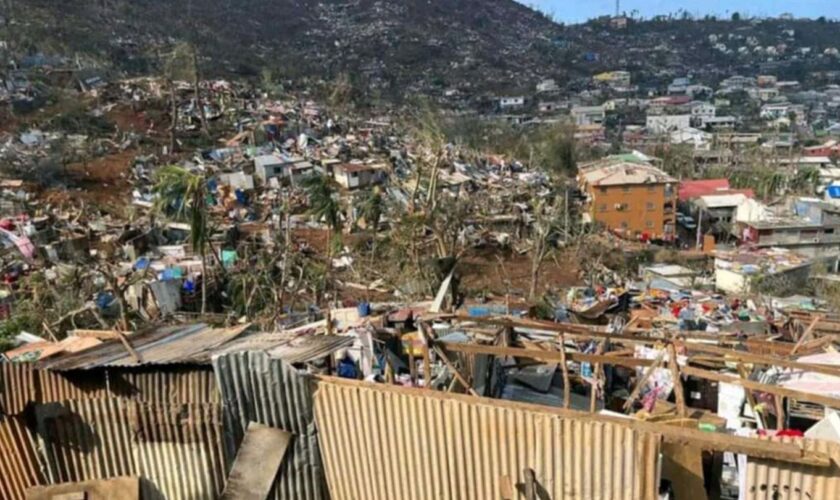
(166,345)
(288,346)
(20,463)
(388,442)
(257,388)
(770,479)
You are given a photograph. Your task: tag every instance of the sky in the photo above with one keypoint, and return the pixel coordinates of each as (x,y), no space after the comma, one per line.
(571,11)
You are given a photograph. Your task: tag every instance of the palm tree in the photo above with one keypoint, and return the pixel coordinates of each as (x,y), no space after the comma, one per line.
(183,195)
(324,205)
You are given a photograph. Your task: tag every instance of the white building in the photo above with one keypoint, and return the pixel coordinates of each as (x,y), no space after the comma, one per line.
(663,124)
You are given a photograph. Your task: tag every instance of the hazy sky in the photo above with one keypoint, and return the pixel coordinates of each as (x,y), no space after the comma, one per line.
(581,10)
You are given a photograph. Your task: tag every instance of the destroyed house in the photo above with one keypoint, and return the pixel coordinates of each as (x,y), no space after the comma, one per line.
(271,166)
(173,406)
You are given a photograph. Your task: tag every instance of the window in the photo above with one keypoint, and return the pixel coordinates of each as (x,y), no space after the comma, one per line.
(649,224)
(623,224)
(651,188)
(603,190)
(626,189)
(602,207)
(650,206)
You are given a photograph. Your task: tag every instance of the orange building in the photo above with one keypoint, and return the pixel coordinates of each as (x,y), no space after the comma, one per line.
(630,197)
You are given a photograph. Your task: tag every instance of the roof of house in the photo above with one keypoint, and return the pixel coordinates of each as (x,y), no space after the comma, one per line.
(694,188)
(618,172)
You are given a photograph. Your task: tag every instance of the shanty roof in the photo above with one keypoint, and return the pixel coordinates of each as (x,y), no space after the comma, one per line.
(620,172)
(196,344)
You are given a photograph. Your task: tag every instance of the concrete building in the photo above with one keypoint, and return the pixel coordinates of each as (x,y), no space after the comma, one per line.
(630,197)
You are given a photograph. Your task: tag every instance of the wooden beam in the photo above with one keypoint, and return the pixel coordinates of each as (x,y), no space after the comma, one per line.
(756,386)
(597,371)
(641,383)
(675,374)
(455,371)
(550,356)
(765,360)
(129,348)
(742,370)
(807,334)
(567,390)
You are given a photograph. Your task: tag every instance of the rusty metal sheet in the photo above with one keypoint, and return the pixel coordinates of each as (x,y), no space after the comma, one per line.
(257,388)
(257,462)
(383,442)
(772,480)
(20,463)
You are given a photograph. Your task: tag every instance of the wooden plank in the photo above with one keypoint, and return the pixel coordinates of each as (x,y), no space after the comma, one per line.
(806,335)
(598,376)
(759,418)
(129,348)
(765,360)
(550,356)
(644,380)
(257,462)
(454,370)
(567,389)
(675,374)
(756,386)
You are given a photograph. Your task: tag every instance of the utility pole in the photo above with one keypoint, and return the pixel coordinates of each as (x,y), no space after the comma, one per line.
(617,8)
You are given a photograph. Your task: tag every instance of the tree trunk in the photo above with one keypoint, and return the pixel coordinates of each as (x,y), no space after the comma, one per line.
(173,102)
(197,89)
(203,279)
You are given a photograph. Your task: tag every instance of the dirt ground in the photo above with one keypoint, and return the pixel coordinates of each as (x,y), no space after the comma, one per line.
(494,272)
(102,181)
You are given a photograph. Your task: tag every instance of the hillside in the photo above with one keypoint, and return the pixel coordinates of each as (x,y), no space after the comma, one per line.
(402,47)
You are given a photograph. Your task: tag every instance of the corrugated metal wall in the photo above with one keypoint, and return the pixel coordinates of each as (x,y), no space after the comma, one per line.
(773,480)
(176,448)
(381,442)
(20,463)
(256,388)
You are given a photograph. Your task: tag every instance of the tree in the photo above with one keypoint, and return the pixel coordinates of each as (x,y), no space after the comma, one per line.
(183,195)
(371,208)
(550,225)
(736,16)
(324,206)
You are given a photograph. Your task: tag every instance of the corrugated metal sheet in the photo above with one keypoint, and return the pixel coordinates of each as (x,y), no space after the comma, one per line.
(170,384)
(291,347)
(172,344)
(20,463)
(773,480)
(85,439)
(178,448)
(57,387)
(17,388)
(257,388)
(387,442)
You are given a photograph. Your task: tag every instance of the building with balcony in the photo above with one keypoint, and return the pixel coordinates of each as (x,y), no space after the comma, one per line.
(630,196)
